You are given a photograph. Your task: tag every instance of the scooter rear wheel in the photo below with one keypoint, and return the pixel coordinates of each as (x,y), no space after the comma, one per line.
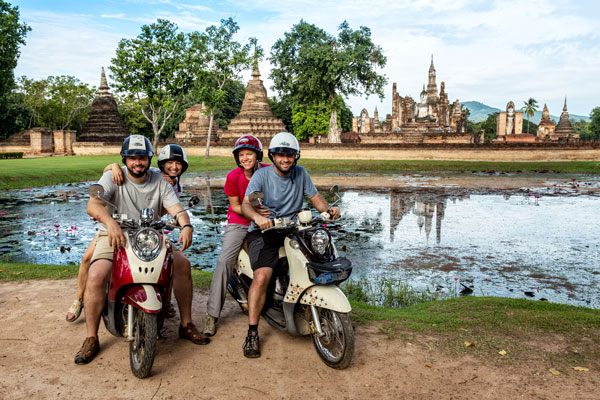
(336,346)
(143,347)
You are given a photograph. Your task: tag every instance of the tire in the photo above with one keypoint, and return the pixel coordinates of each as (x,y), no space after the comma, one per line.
(336,346)
(143,347)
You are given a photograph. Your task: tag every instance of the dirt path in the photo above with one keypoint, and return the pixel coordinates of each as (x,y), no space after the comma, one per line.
(37,348)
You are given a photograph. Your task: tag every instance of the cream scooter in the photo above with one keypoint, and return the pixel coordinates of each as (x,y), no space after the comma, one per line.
(303,297)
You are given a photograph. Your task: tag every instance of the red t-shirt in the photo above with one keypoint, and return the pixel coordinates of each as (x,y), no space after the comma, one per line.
(235,185)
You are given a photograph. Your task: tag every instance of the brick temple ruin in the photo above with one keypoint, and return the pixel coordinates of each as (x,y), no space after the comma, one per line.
(105,123)
(255,118)
(431,120)
(510,123)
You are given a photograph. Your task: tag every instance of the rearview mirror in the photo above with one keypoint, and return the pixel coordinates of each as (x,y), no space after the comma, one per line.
(193,201)
(96,190)
(256,199)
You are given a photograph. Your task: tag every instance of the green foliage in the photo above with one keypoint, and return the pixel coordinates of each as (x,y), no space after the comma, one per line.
(530,107)
(312,66)
(529,126)
(311,120)
(14,114)
(389,293)
(582,128)
(594,126)
(224,58)
(11,154)
(489,125)
(158,65)
(61,102)
(282,109)
(131,111)
(12,35)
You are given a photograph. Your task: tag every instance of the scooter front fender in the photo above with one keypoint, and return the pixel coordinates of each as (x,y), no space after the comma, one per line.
(144,297)
(330,297)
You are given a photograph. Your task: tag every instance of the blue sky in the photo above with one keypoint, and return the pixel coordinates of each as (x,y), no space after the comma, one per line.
(489,51)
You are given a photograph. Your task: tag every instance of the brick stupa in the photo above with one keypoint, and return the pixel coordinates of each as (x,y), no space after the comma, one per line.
(105,123)
(255,117)
(564,130)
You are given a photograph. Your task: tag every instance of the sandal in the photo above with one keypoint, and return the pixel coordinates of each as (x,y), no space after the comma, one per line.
(88,350)
(190,333)
(75,310)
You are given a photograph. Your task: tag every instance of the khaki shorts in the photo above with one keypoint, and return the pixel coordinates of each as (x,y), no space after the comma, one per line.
(103,250)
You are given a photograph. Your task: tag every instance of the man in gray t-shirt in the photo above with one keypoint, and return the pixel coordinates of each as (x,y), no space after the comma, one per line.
(140,188)
(284,185)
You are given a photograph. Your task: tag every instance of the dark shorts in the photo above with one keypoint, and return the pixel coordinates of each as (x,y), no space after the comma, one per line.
(263,248)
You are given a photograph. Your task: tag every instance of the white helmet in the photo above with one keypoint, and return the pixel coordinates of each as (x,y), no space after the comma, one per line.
(284,142)
(172,152)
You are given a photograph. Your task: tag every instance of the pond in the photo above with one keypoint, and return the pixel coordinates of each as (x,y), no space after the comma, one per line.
(537,246)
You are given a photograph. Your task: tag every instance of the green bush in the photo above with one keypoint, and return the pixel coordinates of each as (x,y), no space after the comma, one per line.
(11,154)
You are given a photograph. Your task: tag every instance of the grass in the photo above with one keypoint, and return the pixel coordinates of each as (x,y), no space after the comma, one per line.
(34,172)
(24,272)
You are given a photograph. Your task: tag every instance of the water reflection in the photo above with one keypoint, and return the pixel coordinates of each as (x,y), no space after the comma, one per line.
(520,245)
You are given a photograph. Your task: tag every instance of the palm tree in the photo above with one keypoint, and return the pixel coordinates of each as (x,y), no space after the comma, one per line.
(530,107)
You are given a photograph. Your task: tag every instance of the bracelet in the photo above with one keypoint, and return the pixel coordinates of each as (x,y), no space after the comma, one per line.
(187,226)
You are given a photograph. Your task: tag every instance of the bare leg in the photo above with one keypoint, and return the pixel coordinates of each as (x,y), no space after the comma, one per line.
(82,274)
(95,294)
(182,286)
(258,294)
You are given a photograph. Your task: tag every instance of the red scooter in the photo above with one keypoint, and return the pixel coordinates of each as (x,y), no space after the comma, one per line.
(140,285)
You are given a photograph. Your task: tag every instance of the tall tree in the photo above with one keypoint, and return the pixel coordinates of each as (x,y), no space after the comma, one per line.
(313,66)
(594,126)
(530,107)
(12,35)
(158,66)
(225,58)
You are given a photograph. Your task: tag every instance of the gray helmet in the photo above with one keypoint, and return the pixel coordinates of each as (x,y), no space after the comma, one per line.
(136,145)
(172,152)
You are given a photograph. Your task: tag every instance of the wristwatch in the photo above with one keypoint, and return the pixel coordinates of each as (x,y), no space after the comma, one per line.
(187,226)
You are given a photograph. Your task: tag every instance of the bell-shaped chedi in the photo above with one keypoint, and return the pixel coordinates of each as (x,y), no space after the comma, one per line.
(255,117)
(105,123)
(564,129)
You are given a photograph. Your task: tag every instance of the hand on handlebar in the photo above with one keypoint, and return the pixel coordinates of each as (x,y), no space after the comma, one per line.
(263,223)
(331,213)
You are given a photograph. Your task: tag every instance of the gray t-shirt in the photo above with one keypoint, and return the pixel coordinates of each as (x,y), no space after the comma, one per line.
(130,197)
(281,195)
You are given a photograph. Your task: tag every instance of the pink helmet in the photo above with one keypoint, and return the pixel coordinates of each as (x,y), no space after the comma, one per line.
(248,142)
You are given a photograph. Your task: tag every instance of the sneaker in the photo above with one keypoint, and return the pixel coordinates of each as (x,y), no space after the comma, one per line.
(209,325)
(251,346)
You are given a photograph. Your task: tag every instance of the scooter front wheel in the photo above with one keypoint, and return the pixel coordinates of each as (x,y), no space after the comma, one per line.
(336,345)
(143,347)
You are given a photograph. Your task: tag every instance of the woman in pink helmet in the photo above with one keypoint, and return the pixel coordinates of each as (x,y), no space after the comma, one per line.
(248,155)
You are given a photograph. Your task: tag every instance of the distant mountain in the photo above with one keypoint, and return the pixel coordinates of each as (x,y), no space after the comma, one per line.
(480,112)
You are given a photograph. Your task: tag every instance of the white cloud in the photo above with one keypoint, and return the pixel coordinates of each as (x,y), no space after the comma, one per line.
(491,51)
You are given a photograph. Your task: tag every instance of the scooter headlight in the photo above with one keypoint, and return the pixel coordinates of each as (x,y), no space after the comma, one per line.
(147,244)
(319,241)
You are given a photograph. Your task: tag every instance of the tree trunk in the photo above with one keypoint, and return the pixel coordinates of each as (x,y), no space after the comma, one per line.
(156,137)
(528,124)
(210,124)
(333,135)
